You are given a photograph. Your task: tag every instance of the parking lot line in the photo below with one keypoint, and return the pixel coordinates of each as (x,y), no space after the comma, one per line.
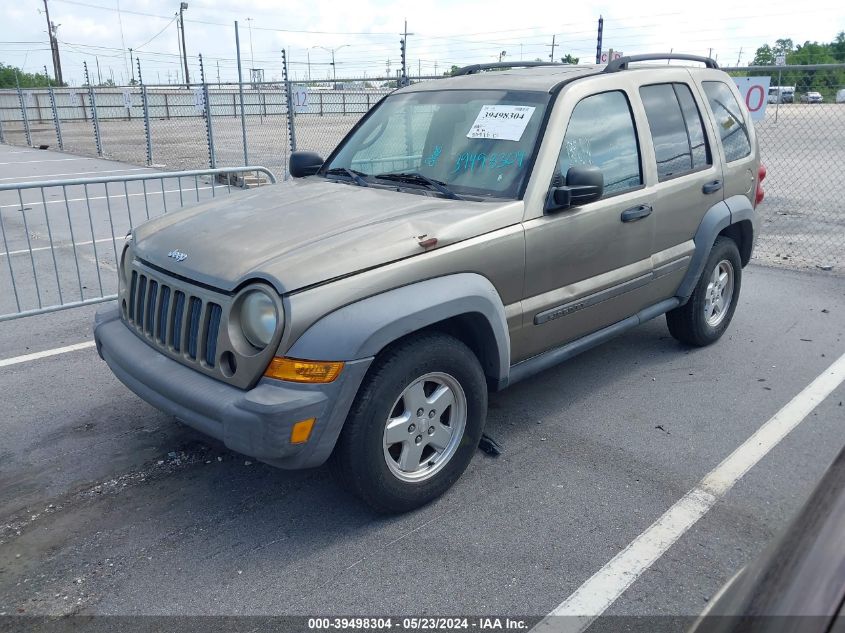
(600,591)
(46,160)
(25,251)
(80,173)
(45,354)
(112,197)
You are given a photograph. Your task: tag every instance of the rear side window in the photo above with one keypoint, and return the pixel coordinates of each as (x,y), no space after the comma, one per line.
(729,120)
(676,131)
(601,133)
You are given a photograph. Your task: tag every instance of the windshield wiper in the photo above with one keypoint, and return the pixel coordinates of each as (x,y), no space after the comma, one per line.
(415,177)
(356,176)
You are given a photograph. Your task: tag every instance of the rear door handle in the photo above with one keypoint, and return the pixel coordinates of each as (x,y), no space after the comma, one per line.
(712,187)
(636,213)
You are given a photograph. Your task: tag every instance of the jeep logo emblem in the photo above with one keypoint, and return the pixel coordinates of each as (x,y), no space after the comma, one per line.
(179,256)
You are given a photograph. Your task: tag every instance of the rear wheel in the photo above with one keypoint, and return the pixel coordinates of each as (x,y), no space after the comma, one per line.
(704,318)
(415,423)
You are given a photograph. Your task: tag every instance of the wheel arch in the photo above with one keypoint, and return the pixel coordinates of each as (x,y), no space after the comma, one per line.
(464,305)
(733,218)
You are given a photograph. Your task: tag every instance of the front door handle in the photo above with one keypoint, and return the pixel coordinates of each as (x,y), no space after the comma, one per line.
(712,187)
(636,213)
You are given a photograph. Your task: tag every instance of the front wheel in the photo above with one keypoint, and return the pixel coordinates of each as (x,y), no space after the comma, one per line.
(704,318)
(414,425)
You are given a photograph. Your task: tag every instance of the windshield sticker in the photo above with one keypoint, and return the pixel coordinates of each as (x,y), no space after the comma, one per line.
(431,161)
(472,161)
(501,122)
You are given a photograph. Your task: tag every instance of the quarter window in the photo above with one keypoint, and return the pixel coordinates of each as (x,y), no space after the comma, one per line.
(676,130)
(729,120)
(601,133)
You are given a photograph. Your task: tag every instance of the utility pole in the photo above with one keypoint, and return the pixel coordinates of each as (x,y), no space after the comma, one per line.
(132,66)
(99,76)
(403,43)
(182,7)
(218,73)
(54,46)
(552,54)
(308,56)
(598,40)
(739,57)
(252,54)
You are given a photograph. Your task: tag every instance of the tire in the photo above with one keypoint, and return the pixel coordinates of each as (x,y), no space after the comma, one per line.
(704,318)
(382,472)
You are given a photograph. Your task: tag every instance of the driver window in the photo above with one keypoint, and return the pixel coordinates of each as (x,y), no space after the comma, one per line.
(601,133)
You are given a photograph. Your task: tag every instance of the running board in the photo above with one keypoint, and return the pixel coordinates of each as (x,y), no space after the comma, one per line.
(555,356)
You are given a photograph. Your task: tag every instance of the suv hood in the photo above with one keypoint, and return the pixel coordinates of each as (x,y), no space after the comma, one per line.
(303,232)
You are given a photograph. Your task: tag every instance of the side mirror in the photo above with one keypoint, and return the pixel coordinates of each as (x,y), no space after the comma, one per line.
(305,163)
(584,183)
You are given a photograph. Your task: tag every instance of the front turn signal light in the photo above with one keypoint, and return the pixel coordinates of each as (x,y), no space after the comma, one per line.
(301,431)
(310,371)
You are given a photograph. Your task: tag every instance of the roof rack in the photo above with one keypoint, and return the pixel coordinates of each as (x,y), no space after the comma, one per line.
(621,63)
(475,68)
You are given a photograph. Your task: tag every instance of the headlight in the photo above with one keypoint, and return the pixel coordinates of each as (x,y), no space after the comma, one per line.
(259,318)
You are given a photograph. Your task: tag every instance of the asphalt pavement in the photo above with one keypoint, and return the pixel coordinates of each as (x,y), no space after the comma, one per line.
(108,506)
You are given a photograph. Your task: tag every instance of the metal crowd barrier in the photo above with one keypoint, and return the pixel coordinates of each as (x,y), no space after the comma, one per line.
(61,238)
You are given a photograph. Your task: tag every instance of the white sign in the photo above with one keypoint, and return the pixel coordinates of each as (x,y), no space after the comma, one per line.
(780,60)
(127,99)
(605,56)
(755,93)
(501,122)
(300,99)
(199,100)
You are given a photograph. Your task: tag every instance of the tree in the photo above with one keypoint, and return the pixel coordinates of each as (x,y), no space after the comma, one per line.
(783,46)
(451,72)
(764,56)
(569,59)
(838,47)
(27,80)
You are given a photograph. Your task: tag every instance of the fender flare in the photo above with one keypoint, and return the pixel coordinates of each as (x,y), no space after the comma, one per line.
(362,329)
(718,218)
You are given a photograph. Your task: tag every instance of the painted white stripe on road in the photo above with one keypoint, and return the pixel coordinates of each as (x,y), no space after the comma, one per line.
(77,173)
(46,160)
(25,251)
(593,598)
(45,354)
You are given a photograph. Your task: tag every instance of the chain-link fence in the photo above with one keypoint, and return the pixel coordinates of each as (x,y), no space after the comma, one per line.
(217,125)
(802,144)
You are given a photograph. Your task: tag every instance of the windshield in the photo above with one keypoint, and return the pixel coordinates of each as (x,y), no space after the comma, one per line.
(476,143)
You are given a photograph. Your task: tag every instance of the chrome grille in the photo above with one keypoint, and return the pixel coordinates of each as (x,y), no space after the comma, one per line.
(173,318)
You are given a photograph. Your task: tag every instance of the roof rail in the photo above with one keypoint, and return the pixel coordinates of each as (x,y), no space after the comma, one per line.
(621,63)
(475,68)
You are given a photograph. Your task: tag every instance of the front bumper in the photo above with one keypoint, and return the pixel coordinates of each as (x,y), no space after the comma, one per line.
(256,422)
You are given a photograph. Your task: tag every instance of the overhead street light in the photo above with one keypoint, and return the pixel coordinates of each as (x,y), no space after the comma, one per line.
(334,66)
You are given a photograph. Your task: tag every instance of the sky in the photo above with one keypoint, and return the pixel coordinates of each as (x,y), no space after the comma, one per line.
(365,33)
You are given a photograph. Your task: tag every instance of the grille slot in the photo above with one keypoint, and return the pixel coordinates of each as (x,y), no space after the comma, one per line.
(214,314)
(149,319)
(178,311)
(174,319)
(194,311)
(139,309)
(161,329)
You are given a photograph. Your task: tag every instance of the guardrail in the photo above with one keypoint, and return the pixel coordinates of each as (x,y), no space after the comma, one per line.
(60,237)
